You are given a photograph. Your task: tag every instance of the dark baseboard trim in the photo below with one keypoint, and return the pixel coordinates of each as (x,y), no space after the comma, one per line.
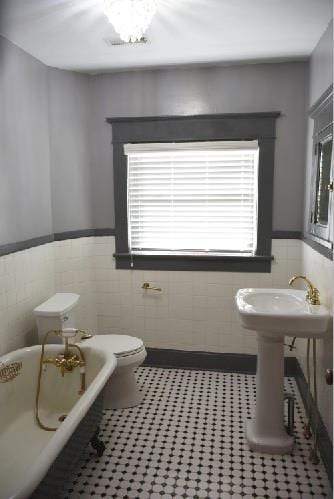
(286,234)
(323,250)
(6,249)
(225,362)
(243,364)
(324,441)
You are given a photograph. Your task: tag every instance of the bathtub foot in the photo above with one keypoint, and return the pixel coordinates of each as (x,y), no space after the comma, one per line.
(97,444)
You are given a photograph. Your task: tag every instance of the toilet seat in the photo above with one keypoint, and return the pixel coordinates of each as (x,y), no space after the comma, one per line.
(120,345)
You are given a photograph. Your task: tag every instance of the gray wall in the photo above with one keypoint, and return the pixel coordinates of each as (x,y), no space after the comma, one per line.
(320,78)
(321,65)
(249,88)
(45,168)
(25,205)
(69,108)
(55,147)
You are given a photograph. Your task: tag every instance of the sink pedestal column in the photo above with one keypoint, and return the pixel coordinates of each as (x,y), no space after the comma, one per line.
(267,433)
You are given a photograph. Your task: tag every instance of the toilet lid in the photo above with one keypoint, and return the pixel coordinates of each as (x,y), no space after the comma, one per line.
(120,345)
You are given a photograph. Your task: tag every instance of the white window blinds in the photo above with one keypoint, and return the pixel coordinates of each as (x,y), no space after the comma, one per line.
(192,197)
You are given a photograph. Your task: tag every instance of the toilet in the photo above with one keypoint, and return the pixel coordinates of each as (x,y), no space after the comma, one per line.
(122,390)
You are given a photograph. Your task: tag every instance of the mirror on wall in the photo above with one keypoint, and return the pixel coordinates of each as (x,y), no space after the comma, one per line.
(321,206)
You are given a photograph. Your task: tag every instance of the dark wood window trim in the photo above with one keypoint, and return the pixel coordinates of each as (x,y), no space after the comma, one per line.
(322,115)
(249,126)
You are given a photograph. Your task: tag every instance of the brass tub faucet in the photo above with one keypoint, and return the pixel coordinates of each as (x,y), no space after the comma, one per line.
(312,295)
(66,361)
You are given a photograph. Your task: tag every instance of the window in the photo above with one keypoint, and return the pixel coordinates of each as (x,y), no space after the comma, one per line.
(194,192)
(320,226)
(197,197)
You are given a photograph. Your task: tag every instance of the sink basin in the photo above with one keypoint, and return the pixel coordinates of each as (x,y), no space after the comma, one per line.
(283,312)
(273,314)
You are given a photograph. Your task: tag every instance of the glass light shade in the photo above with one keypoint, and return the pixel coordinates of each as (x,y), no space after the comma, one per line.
(130,18)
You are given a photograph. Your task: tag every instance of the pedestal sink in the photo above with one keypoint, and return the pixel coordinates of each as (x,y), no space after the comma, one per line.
(273,314)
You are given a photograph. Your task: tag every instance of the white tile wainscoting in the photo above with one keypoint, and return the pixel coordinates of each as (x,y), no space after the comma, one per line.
(195,310)
(321,271)
(26,279)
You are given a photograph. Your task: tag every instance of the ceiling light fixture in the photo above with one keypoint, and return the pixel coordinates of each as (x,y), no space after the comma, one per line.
(130,18)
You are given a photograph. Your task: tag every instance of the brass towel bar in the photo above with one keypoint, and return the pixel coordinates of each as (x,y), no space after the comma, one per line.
(148,286)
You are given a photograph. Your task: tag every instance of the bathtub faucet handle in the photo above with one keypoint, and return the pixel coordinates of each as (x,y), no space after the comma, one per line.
(65,362)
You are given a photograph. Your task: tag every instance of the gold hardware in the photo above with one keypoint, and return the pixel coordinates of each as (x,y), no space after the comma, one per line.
(147,285)
(307,431)
(311,426)
(312,295)
(84,334)
(330,187)
(66,362)
(313,456)
(9,371)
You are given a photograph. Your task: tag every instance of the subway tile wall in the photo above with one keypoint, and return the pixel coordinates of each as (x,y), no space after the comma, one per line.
(74,272)
(26,280)
(194,311)
(321,271)
(29,277)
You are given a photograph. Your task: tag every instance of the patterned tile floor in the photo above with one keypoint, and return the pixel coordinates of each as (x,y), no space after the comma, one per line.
(186,440)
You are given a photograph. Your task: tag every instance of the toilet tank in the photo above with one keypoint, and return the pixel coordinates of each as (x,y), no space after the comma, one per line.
(57,312)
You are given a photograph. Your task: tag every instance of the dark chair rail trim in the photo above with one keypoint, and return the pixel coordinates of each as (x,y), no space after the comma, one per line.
(6,249)
(74,234)
(286,234)
(323,250)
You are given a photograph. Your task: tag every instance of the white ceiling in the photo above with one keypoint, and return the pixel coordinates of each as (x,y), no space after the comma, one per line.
(69,34)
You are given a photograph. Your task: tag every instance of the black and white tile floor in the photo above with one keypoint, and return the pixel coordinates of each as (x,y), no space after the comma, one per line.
(186,440)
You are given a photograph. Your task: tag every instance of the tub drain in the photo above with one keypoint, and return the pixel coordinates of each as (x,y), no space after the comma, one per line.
(62,418)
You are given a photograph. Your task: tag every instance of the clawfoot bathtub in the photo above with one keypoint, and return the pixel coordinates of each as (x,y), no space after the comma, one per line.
(34,462)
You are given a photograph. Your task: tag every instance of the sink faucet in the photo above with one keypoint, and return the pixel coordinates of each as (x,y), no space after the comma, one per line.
(312,292)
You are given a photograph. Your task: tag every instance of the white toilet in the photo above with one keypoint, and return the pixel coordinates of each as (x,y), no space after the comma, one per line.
(121,390)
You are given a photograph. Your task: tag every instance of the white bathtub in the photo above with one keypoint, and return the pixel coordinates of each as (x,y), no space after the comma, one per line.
(26,451)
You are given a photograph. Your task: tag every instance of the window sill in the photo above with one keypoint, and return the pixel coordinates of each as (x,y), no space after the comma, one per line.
(217,262)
